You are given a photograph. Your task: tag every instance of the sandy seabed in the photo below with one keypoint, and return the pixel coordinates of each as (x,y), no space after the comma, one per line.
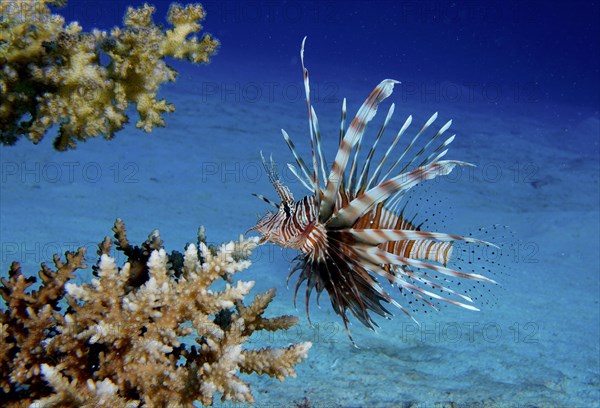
(535,344)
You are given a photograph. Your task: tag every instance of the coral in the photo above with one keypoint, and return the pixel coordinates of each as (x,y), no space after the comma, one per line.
(57,74)
(125,339)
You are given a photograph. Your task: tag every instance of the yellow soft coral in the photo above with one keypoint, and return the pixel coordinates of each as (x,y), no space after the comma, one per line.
(52,74)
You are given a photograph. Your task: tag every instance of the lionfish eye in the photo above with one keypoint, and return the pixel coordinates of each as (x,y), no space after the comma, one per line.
(287,209)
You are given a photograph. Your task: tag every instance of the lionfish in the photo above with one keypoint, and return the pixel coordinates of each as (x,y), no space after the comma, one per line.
(350,230)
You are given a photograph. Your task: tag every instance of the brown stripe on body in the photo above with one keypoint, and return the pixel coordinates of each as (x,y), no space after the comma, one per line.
(447,253)
(428,251)
(407,249)
(375,222)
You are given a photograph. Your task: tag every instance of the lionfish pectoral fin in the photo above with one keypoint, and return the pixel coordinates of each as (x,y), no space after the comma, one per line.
(390,299)
(376,255)
(380,236)
(363,203)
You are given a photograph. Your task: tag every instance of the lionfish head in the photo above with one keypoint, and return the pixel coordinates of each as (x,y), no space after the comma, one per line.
(270,226)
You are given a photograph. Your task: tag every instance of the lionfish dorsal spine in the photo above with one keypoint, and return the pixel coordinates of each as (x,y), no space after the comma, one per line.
(361,183)
(355,131)
(343,121)
(318,143)
(306,180)
(377,171)
(314,145)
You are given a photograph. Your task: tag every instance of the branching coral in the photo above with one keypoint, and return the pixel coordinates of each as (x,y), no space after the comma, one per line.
(125,339)
(52,73)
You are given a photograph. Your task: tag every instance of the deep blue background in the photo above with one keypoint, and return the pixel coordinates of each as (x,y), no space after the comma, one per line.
(550,50)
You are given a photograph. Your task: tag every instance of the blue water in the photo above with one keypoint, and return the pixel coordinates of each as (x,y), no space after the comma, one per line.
(521,82)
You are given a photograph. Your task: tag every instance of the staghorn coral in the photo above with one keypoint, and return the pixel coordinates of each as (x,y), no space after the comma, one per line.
(124,339)
(52,73)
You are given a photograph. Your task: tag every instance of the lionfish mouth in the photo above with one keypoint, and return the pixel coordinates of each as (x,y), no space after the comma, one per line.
(351,229)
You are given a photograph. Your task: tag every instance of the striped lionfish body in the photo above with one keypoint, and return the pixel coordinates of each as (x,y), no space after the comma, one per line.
(350,231)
